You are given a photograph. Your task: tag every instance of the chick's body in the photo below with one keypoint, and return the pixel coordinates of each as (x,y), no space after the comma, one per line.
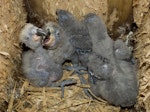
(40,69)
(60,49)
(78,36)
(37,66)
(115,82)
(114,79)
(102,43)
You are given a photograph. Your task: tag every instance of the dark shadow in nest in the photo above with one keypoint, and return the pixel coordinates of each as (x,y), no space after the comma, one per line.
(35,18)
(31,16)
(133,109)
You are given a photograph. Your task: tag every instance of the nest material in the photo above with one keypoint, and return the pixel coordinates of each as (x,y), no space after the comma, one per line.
(12,17)
(142,53)
(16,94)
(45,10)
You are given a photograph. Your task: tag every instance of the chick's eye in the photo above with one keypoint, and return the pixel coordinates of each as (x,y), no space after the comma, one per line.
(57,33)
(48,33)
(27,38)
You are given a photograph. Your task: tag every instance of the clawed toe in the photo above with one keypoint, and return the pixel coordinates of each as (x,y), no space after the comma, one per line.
(77,69)
(66,83)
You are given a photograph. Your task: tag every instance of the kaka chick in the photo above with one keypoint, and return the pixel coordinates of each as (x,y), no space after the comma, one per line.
(78,36)
(57,43)
(112,78)
(37,66)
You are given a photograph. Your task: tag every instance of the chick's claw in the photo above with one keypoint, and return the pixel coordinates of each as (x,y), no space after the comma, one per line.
(77,69)
(62,84)
(83,81)
(66,83)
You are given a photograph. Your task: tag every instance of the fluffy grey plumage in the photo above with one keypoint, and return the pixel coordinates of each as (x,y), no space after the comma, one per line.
(58,47)
(57,43)
(102,43)
(122,51)
(80,40)
(37,66)
(78,34)
(114,79)
(29,36)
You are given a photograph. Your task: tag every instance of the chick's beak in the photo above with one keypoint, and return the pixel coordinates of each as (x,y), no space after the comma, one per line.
(47,38)
(41,32)
(50,41)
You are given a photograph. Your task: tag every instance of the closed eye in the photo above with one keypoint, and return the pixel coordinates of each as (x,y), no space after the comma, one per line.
(57,33)
(27,38)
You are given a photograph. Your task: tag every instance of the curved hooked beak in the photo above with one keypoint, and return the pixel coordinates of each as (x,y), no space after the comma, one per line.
(41,32)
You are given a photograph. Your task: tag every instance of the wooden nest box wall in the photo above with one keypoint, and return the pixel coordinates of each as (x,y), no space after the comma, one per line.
(15,92)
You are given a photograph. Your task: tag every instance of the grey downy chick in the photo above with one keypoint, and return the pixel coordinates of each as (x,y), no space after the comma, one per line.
(102,43)
(80,40)
(58,47)
(37,66)
(57,43)
(78,34)
(113,79)
(116,85)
